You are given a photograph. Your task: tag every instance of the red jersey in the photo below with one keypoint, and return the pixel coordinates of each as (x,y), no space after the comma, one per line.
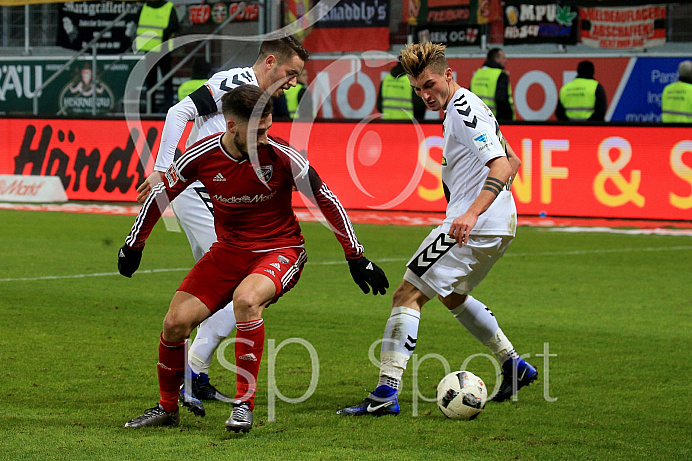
(248,213)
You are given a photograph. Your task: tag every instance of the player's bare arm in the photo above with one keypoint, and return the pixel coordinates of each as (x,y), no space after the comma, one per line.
(144,188)
(500,171)
(514,160)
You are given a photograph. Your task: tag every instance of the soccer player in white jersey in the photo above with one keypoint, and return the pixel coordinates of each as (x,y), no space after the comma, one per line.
(477,171)
(277,66)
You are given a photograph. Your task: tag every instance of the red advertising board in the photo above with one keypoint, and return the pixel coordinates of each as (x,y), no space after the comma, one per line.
(347,87)
(596,171)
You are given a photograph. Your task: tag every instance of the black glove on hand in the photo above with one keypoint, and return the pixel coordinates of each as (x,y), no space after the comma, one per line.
(367,274)
(128,260)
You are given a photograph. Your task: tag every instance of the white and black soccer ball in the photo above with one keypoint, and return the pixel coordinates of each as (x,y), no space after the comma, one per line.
(461,395)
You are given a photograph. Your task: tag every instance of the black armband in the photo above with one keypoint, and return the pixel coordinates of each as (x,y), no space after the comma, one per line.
(493,185)
(204,101)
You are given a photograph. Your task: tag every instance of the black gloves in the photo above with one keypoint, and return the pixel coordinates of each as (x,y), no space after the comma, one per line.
(128,260)
(367,274)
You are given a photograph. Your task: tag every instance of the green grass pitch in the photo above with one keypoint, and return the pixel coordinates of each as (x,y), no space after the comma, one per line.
(79,350)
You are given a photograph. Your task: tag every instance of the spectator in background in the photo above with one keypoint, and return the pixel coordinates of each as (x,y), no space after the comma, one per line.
(198,77)
(491,84)
(583,98)
(158,22)
(676,102)
(299,99)
(396,99)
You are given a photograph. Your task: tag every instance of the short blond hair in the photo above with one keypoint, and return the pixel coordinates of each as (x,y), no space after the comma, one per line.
(417,57)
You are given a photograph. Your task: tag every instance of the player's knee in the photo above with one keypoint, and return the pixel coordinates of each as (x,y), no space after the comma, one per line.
(247,303)
(176,328)
(408,295)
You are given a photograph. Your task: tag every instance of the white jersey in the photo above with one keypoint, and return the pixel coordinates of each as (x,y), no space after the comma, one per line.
(204,107)
(472,138)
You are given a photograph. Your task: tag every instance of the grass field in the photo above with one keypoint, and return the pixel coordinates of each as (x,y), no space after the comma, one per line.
(79,353)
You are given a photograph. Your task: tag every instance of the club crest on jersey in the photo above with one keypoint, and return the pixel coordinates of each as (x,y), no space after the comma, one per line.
(483,142)
(172,175)
(283,259)
(265,172)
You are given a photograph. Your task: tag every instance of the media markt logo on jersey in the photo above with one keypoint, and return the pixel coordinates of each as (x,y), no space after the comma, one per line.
(80,95)
(483,142)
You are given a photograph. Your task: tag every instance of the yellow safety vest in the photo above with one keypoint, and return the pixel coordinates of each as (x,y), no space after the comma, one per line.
(152,23)
(396,98)
(676,103)
(292,101)
(578,97)
(484,85)
(188,87)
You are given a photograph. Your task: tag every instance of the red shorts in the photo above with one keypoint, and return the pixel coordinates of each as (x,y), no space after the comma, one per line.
(219,272)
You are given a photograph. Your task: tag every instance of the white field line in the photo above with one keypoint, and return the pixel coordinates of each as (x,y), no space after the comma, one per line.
(328,263)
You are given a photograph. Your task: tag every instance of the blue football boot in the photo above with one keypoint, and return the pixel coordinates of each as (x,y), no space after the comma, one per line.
(383,401)
(516,373)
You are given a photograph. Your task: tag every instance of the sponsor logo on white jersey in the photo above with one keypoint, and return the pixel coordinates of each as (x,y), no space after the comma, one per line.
(483,142)
(219,177)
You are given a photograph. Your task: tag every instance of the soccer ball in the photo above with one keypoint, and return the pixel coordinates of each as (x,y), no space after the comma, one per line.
(461,395)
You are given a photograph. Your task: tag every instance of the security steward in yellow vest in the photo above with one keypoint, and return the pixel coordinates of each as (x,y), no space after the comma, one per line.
(198,77)
(158,22)
(582,99)
(491,84)
(396,99)
(676,102)
(299,99)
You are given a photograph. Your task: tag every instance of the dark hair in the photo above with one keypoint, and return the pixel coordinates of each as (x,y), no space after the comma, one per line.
(284,49)
(244,101)
(586,69)
(494,54)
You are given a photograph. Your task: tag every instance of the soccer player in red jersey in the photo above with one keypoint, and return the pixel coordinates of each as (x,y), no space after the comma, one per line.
(259,254)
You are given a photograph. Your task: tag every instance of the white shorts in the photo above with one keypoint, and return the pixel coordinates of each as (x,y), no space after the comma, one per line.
(440,267)
(194,212)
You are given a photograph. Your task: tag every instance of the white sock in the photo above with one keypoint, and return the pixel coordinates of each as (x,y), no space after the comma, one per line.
(400,336)
(210,333)
(482,324)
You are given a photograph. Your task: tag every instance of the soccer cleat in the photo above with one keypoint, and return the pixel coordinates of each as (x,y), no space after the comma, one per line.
(192,404)
(240,419)
(381,402)
(204,390)
(516,373)
(155,416)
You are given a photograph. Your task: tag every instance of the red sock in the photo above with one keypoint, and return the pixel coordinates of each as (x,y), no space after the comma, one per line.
(249,346)
(171,367)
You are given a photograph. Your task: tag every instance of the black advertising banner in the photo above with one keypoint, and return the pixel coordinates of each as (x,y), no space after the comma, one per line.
(355,13)
(79,22)
(540,23)
(451,12)
(451,35)
(73,92)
